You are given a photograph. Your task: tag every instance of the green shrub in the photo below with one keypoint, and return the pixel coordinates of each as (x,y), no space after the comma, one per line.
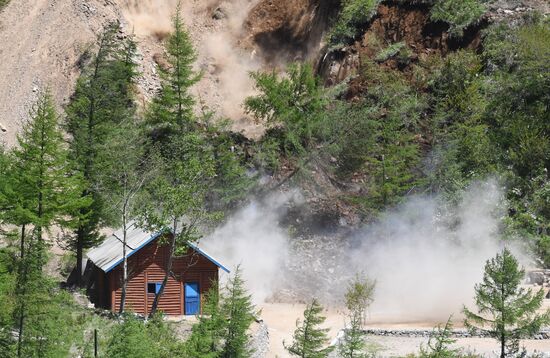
(459,14)
(135,338)
(3,3)
(354,13)
(397,50)
(290,106)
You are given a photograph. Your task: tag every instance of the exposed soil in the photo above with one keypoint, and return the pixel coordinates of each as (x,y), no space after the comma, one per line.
(289,30)
(394,23)
(40,43)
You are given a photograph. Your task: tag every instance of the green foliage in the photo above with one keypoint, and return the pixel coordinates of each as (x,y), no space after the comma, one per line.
(206,337)
(459,14)
(309,340)
(293,104)
(239,313)
(133,337)
(3,3)
(390,152)
(463,150)
(519,124)
(506,311)
(172,109)
(40,186)
(353,15)
(222,330)
(398,48)
(358,297)
(439,342)
(103,98)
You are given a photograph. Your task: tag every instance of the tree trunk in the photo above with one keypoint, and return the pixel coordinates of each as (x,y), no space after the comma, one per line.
(79,254)
(502,346)
(21,290)
(124,267)
(167,273)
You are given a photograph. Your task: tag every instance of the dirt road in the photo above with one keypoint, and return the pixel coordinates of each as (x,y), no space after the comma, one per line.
(281,321)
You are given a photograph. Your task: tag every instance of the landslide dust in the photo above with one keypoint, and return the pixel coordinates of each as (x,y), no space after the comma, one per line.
(41,40)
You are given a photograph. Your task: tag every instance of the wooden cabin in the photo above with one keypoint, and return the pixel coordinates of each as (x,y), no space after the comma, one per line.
(193,274)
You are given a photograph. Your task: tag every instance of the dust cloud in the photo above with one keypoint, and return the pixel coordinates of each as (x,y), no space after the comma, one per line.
(425,257)
(217,30)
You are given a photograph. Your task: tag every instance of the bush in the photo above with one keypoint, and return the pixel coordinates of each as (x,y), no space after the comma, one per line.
(397,50)
(354,14)
(459,14)
(135,338)
(290,106)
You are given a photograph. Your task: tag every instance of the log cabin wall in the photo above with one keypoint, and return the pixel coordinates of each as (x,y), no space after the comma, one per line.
(148,266)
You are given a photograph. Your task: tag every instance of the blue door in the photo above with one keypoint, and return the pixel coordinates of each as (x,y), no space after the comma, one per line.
(192,298)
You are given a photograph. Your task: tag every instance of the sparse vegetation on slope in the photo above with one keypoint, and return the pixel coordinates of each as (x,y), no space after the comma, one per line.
(353,15)
(459,14)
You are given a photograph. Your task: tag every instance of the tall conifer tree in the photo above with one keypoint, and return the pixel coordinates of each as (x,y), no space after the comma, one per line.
(42,191)
(506,311)
(103,98)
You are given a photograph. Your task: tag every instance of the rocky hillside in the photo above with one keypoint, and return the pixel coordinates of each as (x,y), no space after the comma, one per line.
(41,43)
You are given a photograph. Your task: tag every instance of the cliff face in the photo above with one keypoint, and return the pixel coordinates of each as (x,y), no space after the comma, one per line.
(284,31)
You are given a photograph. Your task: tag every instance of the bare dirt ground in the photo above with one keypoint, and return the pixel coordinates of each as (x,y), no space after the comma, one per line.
(40,42)
(280,319)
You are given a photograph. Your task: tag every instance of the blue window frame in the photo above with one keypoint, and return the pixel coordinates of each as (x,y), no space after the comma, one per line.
(153,287)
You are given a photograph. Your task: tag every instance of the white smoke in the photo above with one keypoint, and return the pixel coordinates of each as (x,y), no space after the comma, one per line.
(253,239)
(425,259)
(426,262)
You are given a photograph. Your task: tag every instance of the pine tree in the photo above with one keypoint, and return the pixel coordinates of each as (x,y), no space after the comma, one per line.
(103,97)
(238,310)
(206,337)
(438,344)
(506,311)
(309,340)
(42,191)
(358,298)
(171,112)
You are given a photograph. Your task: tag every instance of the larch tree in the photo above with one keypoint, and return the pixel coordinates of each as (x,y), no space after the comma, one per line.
(103,97)
(42,191)
(439,343)
(505,310)
(206,337)
(186,164)
(358,298)
(121,182)
(294,103)
(238,310)
(176,201)
(309,340)
(171,112)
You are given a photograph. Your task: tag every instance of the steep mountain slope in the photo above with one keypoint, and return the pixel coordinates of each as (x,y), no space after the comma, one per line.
(40,43)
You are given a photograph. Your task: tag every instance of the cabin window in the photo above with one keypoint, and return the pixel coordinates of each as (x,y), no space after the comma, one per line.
(153,287)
